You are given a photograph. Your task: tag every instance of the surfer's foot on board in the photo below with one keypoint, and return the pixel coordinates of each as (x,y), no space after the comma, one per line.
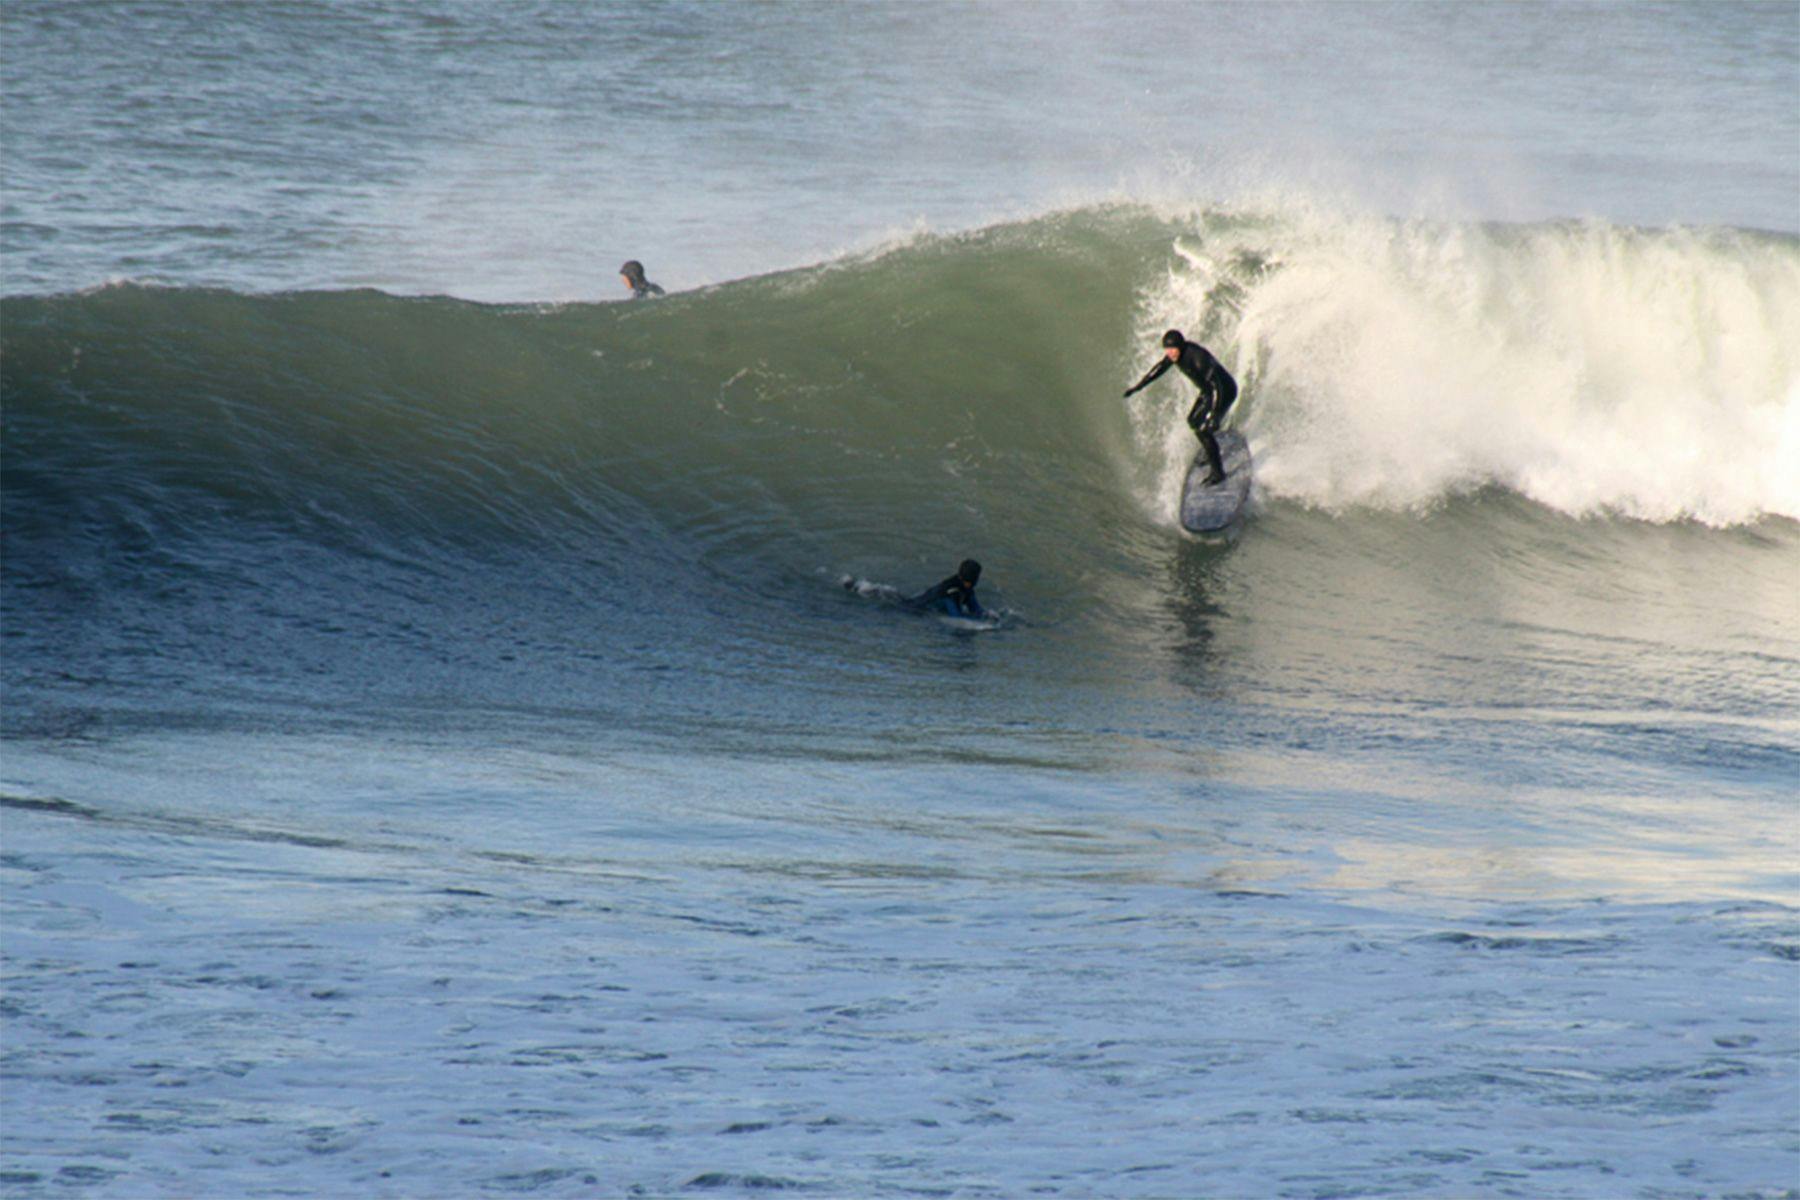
(1213,477)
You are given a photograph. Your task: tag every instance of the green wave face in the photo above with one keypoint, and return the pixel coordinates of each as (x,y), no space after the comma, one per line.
(333,468)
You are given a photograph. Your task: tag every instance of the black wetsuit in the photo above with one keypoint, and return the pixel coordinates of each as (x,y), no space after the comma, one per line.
(955,597)
(1217,390)
(633,274)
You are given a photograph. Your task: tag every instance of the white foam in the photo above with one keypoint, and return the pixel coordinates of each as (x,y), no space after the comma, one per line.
(1592,368)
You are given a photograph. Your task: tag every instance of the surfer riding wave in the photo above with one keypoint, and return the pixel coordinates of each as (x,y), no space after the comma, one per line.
(1217,391)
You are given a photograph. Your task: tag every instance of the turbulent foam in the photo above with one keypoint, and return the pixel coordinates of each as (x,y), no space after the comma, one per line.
(1653,374)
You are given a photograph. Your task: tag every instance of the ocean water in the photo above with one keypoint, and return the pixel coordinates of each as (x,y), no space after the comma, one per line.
(441,759)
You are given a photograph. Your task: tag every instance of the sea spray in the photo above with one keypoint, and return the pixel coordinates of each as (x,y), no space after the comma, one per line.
(1591,368)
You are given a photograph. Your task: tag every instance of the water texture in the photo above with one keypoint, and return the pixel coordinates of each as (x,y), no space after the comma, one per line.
(440,756)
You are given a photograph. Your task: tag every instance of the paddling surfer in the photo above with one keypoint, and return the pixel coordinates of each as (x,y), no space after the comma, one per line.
(955,596)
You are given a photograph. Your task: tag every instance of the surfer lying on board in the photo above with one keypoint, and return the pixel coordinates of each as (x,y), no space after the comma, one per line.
(1217,390)
(633,275)
(955,597)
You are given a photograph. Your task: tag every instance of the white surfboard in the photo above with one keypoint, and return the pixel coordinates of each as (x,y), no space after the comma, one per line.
(1210,509)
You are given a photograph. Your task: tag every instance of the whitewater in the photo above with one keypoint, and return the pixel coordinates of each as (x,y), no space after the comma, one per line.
(438,756)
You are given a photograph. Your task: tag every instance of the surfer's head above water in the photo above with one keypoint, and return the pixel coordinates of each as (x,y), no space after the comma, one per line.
(633,275)
(1172,344)
(969,572)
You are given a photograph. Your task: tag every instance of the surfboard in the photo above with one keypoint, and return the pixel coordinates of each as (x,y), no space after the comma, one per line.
(1210,509)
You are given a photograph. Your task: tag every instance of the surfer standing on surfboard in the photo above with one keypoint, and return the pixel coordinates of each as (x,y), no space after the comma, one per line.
(1217,390)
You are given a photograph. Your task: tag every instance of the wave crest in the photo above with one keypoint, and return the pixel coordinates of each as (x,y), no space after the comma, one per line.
(1588,367)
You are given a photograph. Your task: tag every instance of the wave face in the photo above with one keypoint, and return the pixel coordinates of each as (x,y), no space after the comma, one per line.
(414,488)
(940,391)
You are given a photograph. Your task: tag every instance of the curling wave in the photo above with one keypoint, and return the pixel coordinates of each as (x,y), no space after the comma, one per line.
(950,394)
